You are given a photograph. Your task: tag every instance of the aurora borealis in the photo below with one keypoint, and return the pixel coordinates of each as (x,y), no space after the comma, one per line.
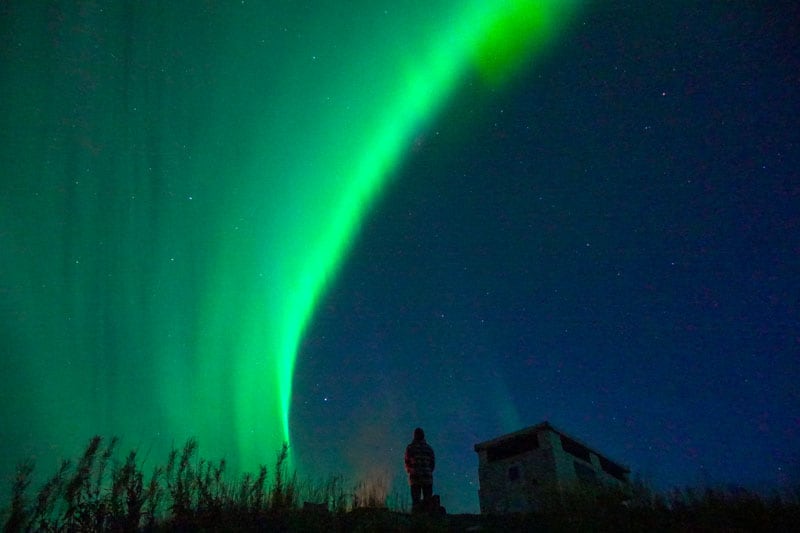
(258,220)
(180,185)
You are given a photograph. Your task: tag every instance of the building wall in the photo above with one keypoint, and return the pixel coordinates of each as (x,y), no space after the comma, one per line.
(580,467)
(517,483)
(513,484)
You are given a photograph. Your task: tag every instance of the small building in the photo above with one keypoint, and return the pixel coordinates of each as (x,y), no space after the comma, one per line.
(516,468)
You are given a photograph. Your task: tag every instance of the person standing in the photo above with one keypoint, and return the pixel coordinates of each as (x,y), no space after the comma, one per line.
(420,462)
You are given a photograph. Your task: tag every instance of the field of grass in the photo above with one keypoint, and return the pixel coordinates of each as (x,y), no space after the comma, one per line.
(101,492)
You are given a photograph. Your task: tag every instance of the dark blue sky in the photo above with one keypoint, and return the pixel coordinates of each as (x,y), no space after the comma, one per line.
(610,243)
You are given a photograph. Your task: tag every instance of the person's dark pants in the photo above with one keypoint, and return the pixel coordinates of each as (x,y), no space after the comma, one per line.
(420,491)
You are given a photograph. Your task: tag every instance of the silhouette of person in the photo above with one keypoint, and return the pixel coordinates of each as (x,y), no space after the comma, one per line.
(420,462)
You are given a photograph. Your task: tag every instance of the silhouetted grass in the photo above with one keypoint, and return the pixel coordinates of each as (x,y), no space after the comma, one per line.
(101,493)
(639,508)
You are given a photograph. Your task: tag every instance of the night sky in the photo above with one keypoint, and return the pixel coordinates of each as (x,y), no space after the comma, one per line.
(239,220)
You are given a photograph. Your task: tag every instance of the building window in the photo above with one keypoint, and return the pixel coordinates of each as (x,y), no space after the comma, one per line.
(612,469)
(513,473)
(512,446)
(575,449)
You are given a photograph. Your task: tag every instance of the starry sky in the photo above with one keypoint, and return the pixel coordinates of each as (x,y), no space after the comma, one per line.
(251,220)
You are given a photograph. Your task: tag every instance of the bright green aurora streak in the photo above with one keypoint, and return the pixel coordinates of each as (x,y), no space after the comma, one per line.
(181,183)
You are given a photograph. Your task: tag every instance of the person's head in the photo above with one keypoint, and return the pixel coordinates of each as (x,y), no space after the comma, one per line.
(419,434)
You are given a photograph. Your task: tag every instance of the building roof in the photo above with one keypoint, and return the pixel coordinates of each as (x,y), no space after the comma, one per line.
(542,426)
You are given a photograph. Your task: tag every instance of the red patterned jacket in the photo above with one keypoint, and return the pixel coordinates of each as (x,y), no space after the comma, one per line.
(420,462)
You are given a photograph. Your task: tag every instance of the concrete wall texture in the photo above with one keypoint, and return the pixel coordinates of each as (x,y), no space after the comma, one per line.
(517,470)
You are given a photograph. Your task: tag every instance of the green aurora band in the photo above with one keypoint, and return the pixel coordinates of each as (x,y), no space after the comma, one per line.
(180,184)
